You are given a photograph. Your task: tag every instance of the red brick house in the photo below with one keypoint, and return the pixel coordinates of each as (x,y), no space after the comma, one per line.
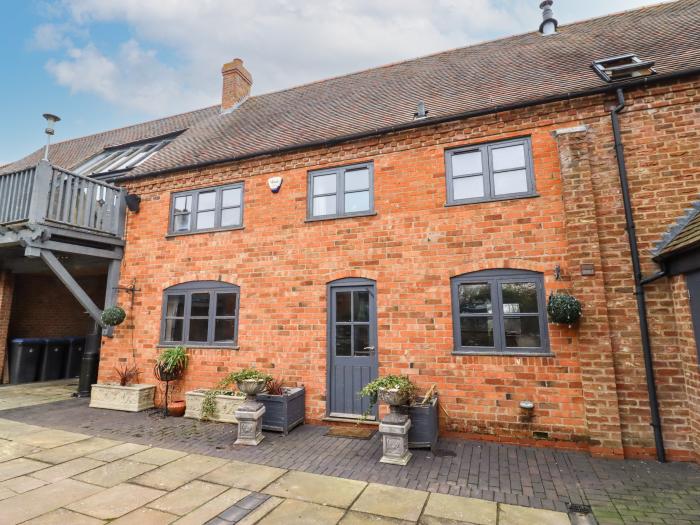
(413,219)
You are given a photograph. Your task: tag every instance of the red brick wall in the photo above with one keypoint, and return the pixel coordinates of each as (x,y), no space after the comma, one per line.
(6,287)
(415,244)
(43,307)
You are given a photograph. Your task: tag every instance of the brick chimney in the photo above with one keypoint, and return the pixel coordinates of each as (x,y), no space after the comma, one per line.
(237,83)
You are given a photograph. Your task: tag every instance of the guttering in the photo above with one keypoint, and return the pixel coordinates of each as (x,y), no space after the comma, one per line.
(642,81)
(639,280)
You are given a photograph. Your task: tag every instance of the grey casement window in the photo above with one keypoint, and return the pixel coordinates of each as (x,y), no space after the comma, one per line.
(200,313)
(500,312)
(341,192)
(219,208)
(494,171)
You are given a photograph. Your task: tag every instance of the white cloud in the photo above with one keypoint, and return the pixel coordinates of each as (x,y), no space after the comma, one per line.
(282,42)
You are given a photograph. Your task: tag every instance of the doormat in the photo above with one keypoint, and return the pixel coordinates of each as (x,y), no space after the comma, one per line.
(351,432)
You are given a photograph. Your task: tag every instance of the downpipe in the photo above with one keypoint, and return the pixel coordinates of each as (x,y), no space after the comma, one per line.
(639,281)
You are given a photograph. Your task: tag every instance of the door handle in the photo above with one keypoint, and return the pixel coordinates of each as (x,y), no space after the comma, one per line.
(369,350)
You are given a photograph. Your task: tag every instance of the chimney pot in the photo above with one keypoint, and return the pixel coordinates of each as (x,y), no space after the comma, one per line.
(549,23)
(237,82)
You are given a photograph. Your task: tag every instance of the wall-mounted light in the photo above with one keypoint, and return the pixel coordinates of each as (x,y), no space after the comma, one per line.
(133,202)
(50,122)
(557,273)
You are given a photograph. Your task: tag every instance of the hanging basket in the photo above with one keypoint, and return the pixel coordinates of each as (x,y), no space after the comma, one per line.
(563,308)
(113,316)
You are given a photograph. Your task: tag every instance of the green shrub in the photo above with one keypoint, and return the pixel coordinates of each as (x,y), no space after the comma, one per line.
(171,359)
(563,308)
(113,316)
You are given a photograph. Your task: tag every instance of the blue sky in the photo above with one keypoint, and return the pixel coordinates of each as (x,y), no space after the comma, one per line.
(101,64)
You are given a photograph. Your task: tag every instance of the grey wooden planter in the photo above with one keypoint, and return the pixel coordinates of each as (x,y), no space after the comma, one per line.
(424,424)
(283,413)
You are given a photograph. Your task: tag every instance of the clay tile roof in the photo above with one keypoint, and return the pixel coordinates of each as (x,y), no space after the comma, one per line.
(479,78)
(682,236)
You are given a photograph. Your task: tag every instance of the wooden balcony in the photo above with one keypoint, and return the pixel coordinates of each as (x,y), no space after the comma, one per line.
(53,201)
(58,221)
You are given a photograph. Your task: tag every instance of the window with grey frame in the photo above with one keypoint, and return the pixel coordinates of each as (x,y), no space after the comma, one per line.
(205,209)
(493,171)
(200,313)
(499,311)
(341,192)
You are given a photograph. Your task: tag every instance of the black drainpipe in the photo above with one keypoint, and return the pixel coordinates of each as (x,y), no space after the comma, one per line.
(639,281)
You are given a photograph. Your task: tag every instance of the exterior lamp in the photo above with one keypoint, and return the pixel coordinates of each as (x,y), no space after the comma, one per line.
(50,122)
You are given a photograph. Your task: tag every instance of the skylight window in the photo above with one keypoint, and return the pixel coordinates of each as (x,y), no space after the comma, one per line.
(121,158)
(623,67)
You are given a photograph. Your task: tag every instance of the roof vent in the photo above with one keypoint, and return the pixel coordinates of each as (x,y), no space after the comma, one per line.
(623,67)
(549,23)
(421,112)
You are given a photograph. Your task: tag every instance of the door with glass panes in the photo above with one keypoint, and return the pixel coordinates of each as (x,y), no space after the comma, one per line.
(352,351)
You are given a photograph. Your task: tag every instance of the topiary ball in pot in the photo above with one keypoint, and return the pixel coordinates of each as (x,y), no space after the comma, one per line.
(113,316)
(563,308)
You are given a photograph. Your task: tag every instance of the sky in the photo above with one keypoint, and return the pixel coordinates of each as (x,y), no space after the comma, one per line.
(102,64)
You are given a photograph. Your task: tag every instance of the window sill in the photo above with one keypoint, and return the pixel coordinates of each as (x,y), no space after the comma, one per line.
(199,232)
(198,347)
(497,353)
(336,217)
(496,199)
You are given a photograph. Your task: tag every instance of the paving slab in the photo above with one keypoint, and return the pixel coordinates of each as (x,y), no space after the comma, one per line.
(315,488)
(263,510)
(114,473)
(394,502)
(515,515)
(22,484)
(50,438)
(157,456)
(73,450)
(179,472)
(145,516)
(11,429)
(12,449)
(187,498)
(6,493)
(118,452)
(63,517)
(66,470)
(114,502)
(244,475)
(44,499)
(480,512)
(295,512)
(360,518)
(213,507)
(432,520)
(19,467)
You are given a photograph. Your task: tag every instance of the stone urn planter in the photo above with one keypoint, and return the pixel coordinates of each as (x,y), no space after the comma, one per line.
(225,405)
(251,412)
(283,413)
(394,398)
(130,398)
(394,427)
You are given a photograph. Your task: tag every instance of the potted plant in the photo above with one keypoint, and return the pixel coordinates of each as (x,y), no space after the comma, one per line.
(392,390)
(563,308)
(170,365)
(113,316)
(284,406)
(126,394)
(220,403)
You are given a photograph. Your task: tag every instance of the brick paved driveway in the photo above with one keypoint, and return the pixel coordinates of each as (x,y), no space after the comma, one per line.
(619,491)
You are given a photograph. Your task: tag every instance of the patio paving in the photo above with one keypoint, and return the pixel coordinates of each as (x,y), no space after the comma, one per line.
(619,491)
(73,491)
(29,394)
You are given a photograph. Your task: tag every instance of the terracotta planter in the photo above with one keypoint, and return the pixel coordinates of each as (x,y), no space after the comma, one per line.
(176,408)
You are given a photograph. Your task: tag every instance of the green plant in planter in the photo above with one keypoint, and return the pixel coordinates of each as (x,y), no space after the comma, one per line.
(563,308)
(401,383)
(113,316)
(222,387)
(172,359)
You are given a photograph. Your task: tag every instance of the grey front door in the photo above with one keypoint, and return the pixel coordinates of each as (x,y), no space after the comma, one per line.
(693,280)
(353,362)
